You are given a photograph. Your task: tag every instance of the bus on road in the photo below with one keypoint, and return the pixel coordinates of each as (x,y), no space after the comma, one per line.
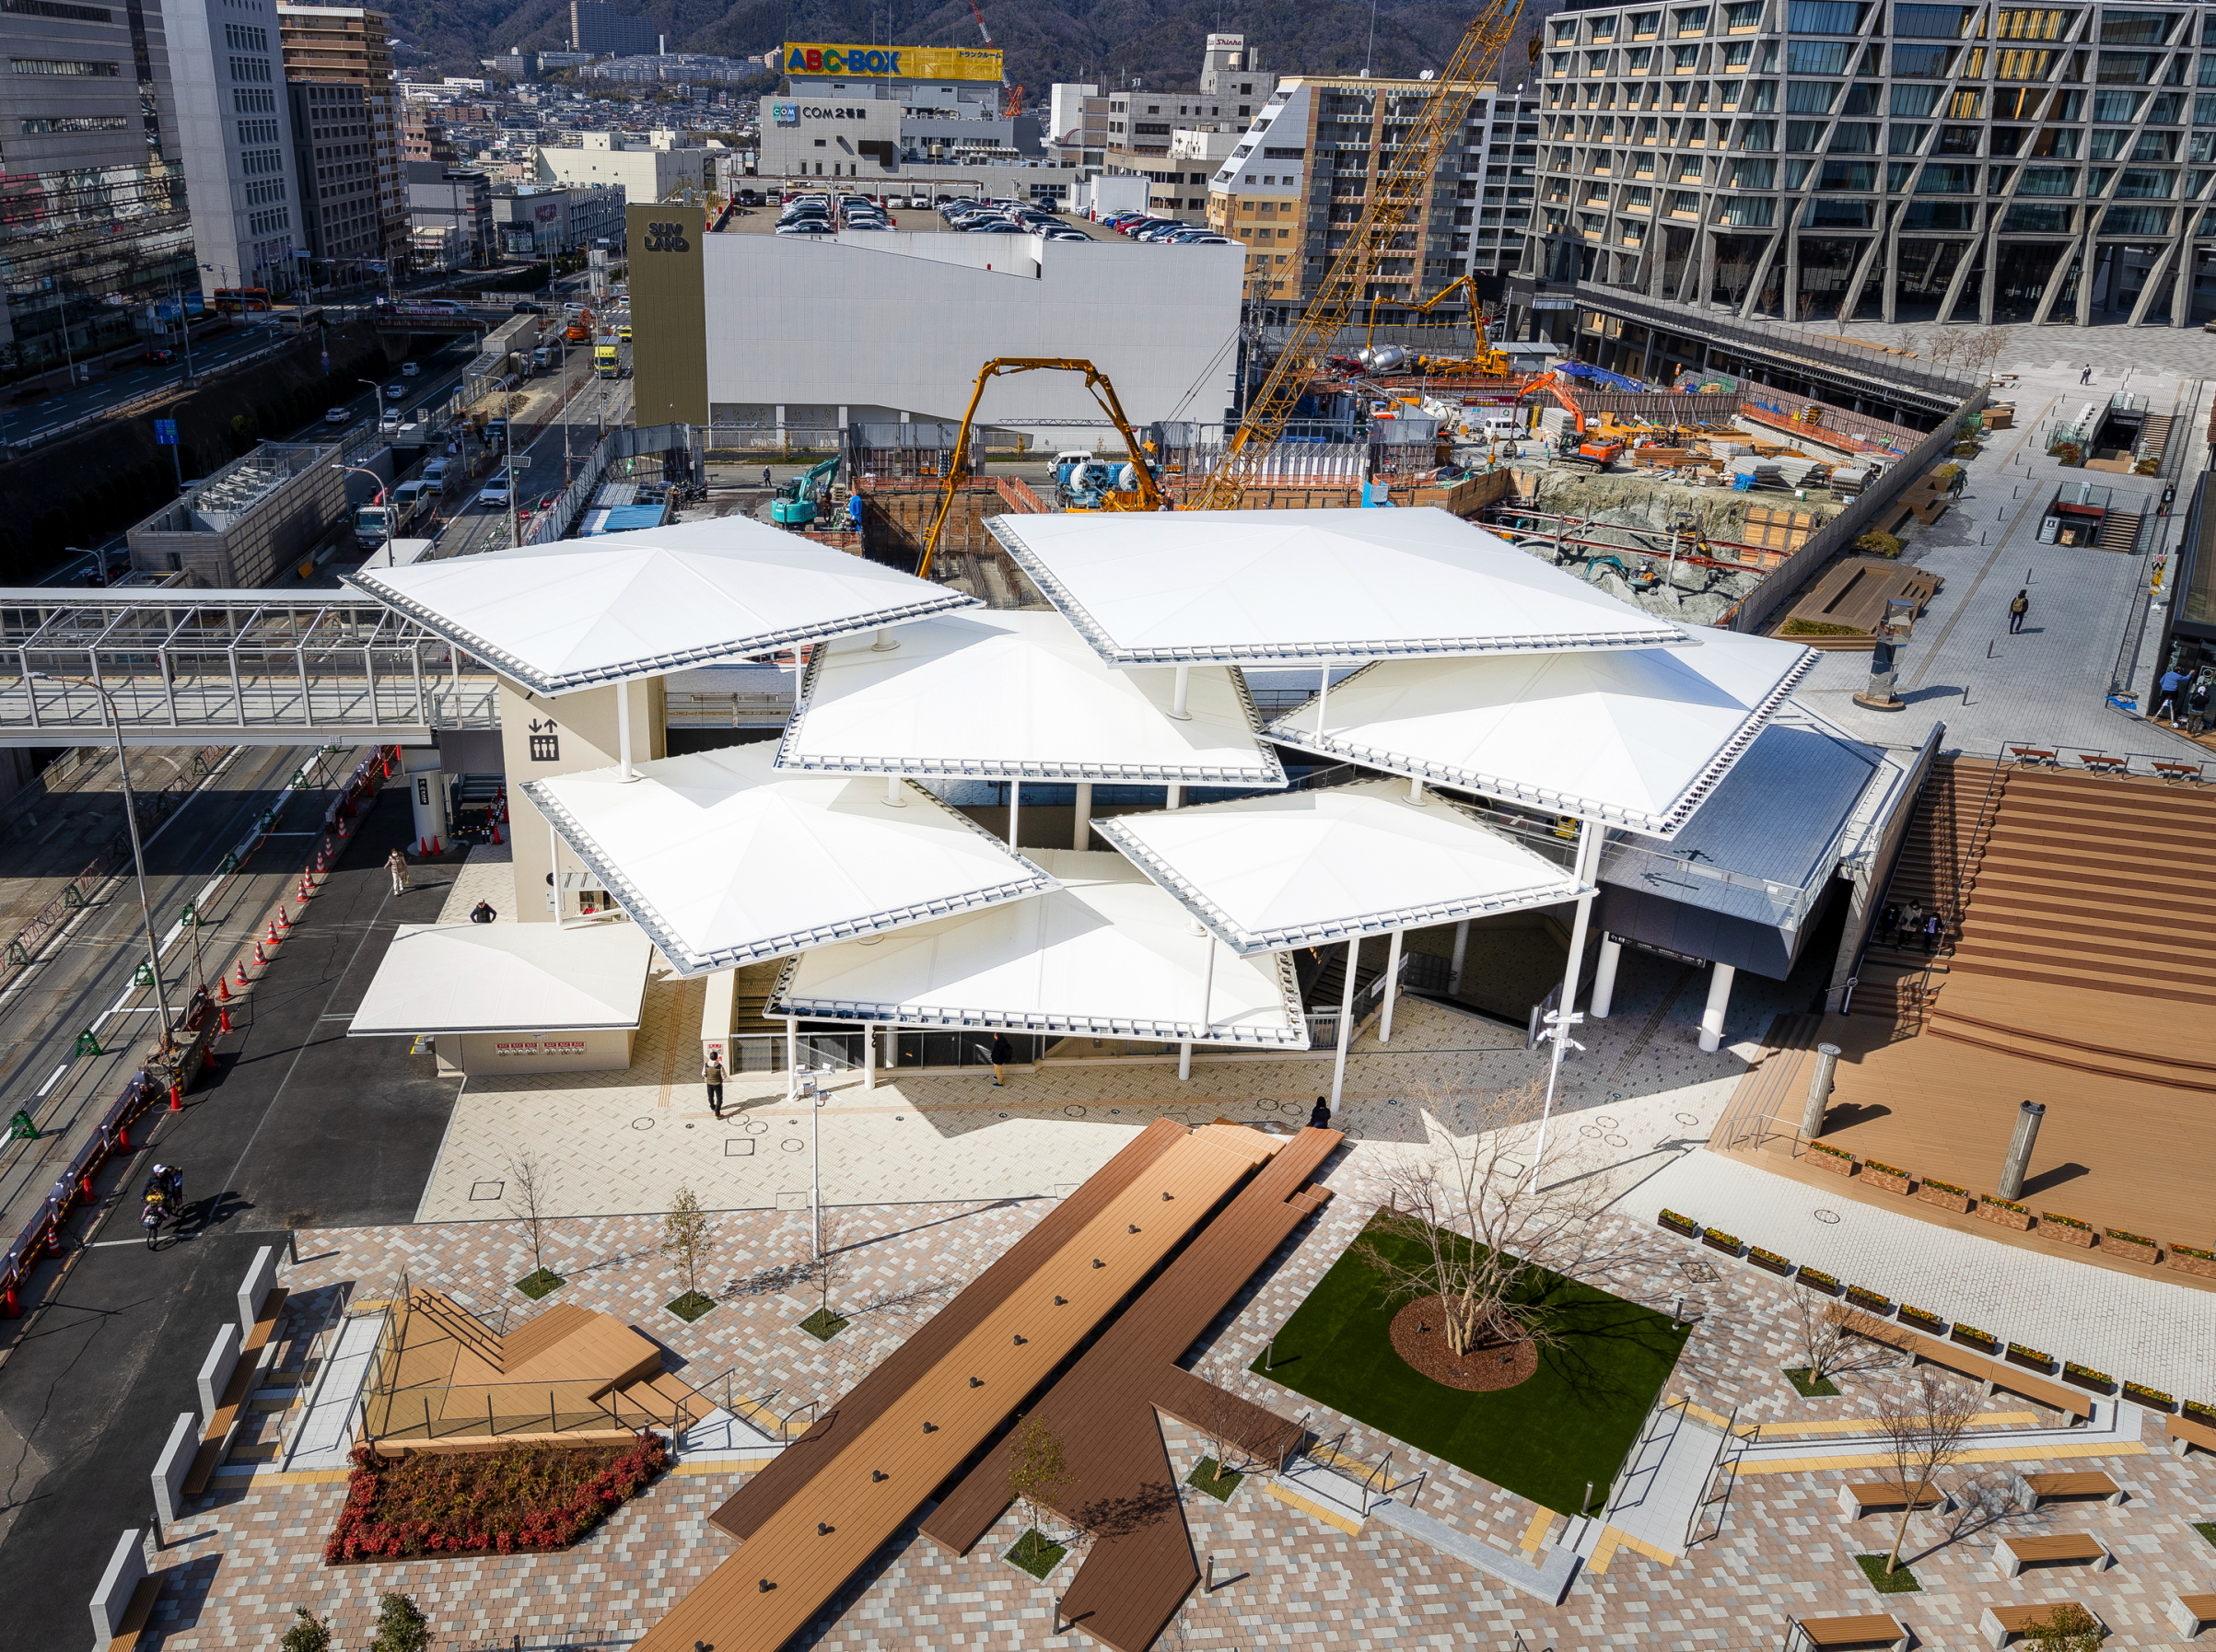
(236,300)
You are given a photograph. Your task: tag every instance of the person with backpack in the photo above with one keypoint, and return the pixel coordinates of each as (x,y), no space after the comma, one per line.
(711,1072)
(2016,610)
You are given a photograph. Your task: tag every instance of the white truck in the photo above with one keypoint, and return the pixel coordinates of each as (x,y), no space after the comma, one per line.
(373,524)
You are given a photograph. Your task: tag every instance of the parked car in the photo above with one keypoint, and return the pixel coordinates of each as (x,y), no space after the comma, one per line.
(434,474)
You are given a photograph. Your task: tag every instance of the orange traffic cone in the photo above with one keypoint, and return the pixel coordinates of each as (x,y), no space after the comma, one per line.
(495,832)
(242,981)
(224,1024)
(260,959)
(222,990)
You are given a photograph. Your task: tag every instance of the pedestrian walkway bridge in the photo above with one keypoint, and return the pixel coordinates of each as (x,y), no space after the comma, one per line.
(231,667)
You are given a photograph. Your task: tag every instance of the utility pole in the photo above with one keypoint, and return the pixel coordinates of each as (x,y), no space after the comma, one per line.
(508,438)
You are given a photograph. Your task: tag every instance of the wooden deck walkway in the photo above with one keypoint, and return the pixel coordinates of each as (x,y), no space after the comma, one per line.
(1123,1490)
(867,1467)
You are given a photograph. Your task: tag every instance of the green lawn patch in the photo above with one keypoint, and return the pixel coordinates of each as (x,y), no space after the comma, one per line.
(541,1282)
(1823,1387)
(824,1325)
(1572,1421)
(1901,1582)
(690,1306)
(2207,1529)
(1212,1477)
(1035,1553)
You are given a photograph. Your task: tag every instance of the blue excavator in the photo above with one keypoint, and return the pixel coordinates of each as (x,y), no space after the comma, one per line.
(800,501)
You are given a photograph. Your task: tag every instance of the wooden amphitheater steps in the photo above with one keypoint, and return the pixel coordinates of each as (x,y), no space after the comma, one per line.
(1937,869)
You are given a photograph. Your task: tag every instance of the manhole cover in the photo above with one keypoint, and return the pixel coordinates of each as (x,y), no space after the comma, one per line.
(1074,1113)
(1605,1123)
(792,1143)
(738,1147)
(1687,1117)
(1613,1141)
(1590,1129)
(753,1127)
(486,1190)
(1825,1216)
(641,1123)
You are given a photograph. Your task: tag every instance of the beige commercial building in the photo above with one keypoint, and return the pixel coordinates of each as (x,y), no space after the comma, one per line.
(347,45)
(650,168)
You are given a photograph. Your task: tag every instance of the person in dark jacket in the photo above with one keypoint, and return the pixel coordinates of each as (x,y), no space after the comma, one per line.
(1319,1116)
(1003,1052)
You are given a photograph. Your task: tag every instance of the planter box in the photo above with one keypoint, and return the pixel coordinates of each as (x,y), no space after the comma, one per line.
(1835,1163)
(1830,1287)
(1780,1268)
(1870,1301)
(2129,1249)
(1683,1229)
(1885,1180)
(1958,1202)
(2062,1234)
(2098,1386)
(2190,1264)
(2046,1367)
(1930,1325)
(1981,1344)
(2018,1219)
(1714,1243)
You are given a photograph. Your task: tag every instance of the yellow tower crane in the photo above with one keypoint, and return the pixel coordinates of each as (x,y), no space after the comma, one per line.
(1395,207)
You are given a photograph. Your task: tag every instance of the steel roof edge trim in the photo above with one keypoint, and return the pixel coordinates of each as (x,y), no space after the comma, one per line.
(688,961)
(1247,942)
(540,683)
(1257,654)
(1666,824)
(466,1032)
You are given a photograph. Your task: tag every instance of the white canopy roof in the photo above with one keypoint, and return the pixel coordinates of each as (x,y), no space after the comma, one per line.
(1313,585)
(1107,955)
(725,861)
(452,977)
(1308,867)
(1006,694)
(577,612)
(1634,740)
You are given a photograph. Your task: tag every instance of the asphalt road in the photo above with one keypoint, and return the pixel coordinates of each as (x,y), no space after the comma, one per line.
(593,404)
(298,1125)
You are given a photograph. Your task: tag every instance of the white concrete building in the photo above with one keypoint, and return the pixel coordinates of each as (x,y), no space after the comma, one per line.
(228,69)
(644,170)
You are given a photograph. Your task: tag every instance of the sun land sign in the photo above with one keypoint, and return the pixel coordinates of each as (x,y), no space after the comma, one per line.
(889,63)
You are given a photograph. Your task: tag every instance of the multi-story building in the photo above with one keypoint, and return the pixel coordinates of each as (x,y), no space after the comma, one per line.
(1300,173)
(645,168)
(338,193)
(1909,162)
(602,31)
(95,232)
(228,73)
(450,209)
(533,219)
(1077,124)
(345,45)
(423,137)
(1166,137)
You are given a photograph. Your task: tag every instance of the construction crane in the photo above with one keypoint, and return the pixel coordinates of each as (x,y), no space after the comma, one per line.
(1396,206)
(1012,102)
(1148,496)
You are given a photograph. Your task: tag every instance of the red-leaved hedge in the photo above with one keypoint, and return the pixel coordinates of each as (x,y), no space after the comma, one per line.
(527,1495)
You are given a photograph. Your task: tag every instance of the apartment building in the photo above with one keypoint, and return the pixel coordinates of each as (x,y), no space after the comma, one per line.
(344,45)
(1300,173)
(235,125)
(338,193)
(450,213)
(1177,140)
(1813,159)
(96,232)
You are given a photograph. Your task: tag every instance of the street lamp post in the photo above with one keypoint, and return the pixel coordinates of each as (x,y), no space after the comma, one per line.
(375,498)
(138,856)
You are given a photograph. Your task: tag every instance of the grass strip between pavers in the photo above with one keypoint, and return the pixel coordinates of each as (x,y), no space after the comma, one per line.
(1574,1421)
(1036,1554)
(1901,1581)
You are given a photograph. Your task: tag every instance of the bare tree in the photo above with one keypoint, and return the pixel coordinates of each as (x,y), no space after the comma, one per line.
(1923,1419)
(1464,1223)
(532,1185)
(687,1238)
(1821,1334)
(1037,1469)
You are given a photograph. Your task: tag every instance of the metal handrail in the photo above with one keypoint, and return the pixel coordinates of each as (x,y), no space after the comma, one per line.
(2059,756)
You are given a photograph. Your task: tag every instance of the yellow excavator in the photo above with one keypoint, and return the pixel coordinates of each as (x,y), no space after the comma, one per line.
(1143,495)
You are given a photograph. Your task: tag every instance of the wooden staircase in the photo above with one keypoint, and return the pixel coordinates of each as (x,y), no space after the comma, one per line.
(2119,532)
(1938,870)
(2090,943)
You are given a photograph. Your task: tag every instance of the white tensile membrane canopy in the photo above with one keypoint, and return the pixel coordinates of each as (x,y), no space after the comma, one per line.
(1633,739)
(1019,695)
(1105,955)
(455,977)
(1310,587)
(725,861)
(1308,868)
(579,612)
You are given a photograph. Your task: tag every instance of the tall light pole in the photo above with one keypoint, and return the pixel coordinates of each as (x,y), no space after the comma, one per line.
(138,854)
(373,498)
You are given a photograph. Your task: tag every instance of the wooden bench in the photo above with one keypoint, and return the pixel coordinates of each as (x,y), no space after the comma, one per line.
(137,1615)
(215,1438)
(1855,1501)
(1991,1373)
(1834,1634)
(2176,771)
(2002,1625)
(2187,1437)
(2054,1488)
(2012,1554)
(2190,1614)
(2097,764)
(2033,757)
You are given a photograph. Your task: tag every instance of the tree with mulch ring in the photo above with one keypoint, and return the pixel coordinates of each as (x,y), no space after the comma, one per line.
(824,1325)
(1212,1477)
(1823,1387)
(530,1495)
(541,1282)
(1489,1363)
(1899,1581)
(1037,1554)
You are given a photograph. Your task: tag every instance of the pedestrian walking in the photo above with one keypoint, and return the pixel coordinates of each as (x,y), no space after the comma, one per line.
(1888,926)
(397,864)
(2196,706)
(1003,1052)
(2016,610)
(711,1072)
(2086,376)
(765,481)
(1912,921)
(1935,926)
(2166,704)
(482,913)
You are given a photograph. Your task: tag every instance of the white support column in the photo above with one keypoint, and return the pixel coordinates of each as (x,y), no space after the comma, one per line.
(1185,688)
(1184,1061)
(893,1046)
(1174,798)
(1080,831)
(1384,1020)
(885,644)
(554,876)
(792,1056)
(1323,698)
(1604,977)
(892,793)
(1461,949)
(1720,998)
(1588,860)
(1015,810)
(1339,1064)
(623,730)
(869,1058)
